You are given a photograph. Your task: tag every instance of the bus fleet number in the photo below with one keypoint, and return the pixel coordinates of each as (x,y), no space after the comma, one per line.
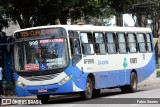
(133,60)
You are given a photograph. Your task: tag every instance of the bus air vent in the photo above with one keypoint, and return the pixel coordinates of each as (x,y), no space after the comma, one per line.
(42,78)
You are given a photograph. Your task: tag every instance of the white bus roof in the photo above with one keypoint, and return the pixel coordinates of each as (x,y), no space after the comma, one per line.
(93,28)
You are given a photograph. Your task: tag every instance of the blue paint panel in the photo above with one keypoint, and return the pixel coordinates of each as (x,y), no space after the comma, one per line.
(67,87)
(144,72)
(21,91)
(79,78)
(69,69)
(106,79)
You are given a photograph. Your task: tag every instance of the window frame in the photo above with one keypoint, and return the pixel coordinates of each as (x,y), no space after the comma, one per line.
(114,42)
(136,43)
(125,43)
(95,44)
(149,42)
(92,42)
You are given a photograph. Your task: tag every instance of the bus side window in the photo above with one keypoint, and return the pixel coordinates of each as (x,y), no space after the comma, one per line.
(87,43)
(75,49)
(149,44)
(111,43)
(132,43)
(141,42)
(99,45)
(122,43)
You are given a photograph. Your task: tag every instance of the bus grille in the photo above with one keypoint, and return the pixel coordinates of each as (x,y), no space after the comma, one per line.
(42,78)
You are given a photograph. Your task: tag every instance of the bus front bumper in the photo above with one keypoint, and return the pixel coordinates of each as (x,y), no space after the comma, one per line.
(46,89)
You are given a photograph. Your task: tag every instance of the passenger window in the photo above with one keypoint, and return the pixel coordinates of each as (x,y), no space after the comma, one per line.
(149,44)
(122,43)
(99,45)
(87,43)
(132,43)
(111,46)
(141,42)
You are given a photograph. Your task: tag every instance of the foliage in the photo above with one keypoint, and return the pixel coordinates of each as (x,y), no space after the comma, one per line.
(42,12)
(121,6)
(3,21)
(158,72)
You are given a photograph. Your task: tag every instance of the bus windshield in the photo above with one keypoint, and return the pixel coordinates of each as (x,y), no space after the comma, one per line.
(43,54)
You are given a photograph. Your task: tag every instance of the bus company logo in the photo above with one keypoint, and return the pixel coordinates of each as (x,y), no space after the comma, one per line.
(104,62)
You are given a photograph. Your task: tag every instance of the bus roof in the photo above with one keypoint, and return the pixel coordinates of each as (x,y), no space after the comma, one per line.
(93,28)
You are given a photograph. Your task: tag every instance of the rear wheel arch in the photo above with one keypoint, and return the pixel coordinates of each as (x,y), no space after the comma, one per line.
(132,87)
(90,88)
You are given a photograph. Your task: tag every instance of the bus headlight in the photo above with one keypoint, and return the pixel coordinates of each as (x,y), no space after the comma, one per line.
(65,79)
(20,83)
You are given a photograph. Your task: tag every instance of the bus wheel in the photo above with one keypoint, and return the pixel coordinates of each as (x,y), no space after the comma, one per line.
(96,92)
(133,84)
(88,93)
(44,98)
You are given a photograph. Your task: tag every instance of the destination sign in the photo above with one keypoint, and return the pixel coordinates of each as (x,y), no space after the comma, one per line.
(39,32)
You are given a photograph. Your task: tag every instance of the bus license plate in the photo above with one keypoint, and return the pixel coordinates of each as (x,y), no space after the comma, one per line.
(42,90)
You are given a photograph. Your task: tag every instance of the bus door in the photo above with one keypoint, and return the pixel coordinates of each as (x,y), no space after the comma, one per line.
(75,47)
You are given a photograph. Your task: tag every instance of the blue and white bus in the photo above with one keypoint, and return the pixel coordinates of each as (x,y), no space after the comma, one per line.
(61,59)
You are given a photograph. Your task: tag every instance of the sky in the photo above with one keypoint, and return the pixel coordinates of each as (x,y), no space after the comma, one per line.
(127,18)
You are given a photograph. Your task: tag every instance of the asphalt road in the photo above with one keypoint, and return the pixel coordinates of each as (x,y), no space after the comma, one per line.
(146,96)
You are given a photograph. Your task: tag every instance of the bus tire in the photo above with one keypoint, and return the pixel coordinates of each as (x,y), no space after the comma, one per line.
(133,84)
(44,98)
(96,92)
(133,81)
(88,93)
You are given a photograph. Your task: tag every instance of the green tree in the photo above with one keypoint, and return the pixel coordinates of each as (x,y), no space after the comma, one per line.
(3,21)
(42,12)
(146,9)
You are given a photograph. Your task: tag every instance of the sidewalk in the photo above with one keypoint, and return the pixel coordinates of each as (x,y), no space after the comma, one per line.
(154,82)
